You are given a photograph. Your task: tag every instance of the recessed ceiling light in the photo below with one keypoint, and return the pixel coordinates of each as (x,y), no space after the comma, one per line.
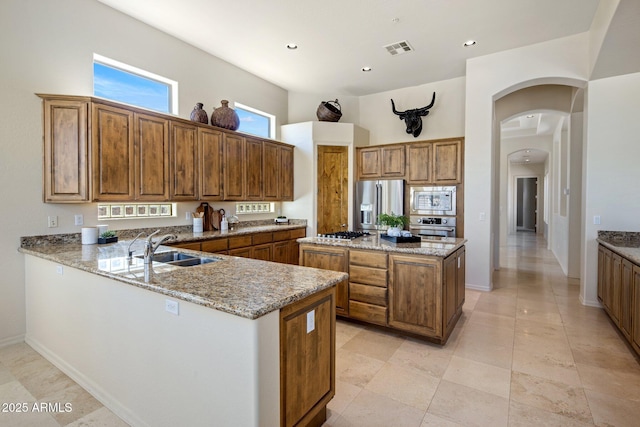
(470,43)
(292,46)
(366,69)
(530,116)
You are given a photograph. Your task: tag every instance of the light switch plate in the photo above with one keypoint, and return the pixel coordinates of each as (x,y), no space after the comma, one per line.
(172,307)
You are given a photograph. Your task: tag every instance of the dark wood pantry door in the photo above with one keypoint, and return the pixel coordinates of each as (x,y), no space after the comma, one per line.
(333,181)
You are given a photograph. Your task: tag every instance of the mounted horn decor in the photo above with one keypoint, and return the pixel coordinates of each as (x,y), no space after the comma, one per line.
(413,118)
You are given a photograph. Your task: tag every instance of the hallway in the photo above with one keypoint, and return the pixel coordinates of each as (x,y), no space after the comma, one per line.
(526,354)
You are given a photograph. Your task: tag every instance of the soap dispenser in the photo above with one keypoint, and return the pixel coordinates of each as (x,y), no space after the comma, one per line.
(224,224)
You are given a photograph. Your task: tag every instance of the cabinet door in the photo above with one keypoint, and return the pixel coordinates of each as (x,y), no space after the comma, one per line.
(461,277)
(281,252)
(210,168)
(112,153)
(254,164)
(233,167)
(449,286)
(285,175)
(152,157)
(66,162)
(415,294)
(270,169)
(626,297)
(262,252)
(369,163)
(393,161)
(307,359)
(329,259)
(607,288)
(447,164)
(420,159)
(616,287)
(242,252)
(184,162)
(635,314)
(601,251)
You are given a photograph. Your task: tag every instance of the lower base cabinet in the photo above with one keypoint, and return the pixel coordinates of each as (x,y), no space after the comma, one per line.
(307,359)
(417,294)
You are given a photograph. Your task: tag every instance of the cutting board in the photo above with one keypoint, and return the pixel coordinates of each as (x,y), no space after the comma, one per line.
(206,210)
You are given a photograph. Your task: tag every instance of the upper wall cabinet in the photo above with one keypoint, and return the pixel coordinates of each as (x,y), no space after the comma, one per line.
(381,162)
(435,162)
(98,150)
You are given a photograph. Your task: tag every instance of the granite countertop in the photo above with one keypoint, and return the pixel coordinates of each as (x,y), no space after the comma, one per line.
(625,243)
(440,248)
(239,286)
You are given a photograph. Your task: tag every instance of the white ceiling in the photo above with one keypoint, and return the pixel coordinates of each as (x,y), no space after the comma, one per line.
(336,38)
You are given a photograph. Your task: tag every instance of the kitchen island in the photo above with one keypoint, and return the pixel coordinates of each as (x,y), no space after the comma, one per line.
(414,288)
(222,343)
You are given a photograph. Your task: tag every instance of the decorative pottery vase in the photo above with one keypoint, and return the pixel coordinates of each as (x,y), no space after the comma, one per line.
(225,117)
(199,115)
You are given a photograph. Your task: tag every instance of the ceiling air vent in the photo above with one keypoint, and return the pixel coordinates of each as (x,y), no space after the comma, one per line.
(399,48)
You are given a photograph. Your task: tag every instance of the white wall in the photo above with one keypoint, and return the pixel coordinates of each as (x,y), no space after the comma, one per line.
(563,61)
(47,47)
(612,181)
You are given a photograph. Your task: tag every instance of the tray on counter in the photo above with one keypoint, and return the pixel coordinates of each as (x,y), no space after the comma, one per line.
(401,239)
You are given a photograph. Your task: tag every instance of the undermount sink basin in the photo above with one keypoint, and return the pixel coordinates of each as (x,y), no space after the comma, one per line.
(180,259)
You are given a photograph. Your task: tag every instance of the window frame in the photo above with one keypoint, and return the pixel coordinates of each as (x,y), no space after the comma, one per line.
(270,117)
(121,66)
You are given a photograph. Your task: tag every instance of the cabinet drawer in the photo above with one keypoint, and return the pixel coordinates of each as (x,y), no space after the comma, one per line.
(368,312)
(214,245)
(370,294)
(239,242)
(368,275)
(281,235)
(193,246)
(368,258)
(298,233)
(261,238)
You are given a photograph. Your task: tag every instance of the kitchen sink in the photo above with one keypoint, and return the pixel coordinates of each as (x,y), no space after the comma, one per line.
(180,259)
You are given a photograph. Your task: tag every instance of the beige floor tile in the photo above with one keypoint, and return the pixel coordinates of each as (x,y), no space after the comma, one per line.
(521,415)
(468,406)
(480,349)
(538,311)
(471,297)
(82,403)
(623,384)
(429,358)
(41,378)
(611,411)
(431,420)
(480,376)
(24,415)
(345,393)
(374,343)
(408,385)
(372,410)
(345,331)
(551,396)
(100,418)
(551,364)
(5,375)
(497,304)
(17,355)
(492,321)
(355,368)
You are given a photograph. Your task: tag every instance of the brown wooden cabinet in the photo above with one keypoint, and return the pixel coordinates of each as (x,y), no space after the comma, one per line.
(184,162)
(635,310)
(151,142)
(307,359)
(329,258)
(415,294)
(66,150)
(420,163)
(453,279)
(626,297)
(435,162)
(99,150)
(381,162)
(210,146)
(113,161)
(368,286)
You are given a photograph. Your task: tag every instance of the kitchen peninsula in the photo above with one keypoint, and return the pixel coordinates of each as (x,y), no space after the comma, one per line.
(413,288)
(222,343)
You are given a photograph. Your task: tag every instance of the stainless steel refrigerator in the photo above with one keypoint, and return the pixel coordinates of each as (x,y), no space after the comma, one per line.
(374,198)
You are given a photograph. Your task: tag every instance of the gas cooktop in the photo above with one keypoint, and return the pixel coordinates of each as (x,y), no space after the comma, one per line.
(344,235)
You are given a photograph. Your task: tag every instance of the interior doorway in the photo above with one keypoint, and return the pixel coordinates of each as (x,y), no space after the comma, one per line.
(333,189)
(526,204)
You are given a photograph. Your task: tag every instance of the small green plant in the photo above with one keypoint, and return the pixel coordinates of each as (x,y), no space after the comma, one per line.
(393,220)
(107,234)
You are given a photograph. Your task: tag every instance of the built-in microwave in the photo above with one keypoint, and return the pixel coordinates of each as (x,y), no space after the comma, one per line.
(432,200)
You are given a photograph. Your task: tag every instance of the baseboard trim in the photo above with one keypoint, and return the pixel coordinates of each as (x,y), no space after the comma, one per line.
(104,397)
(6,342)
(477,287)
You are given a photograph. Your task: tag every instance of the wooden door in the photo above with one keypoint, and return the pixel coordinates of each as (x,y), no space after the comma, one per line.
(184,162)
(333,181)
(270,170)
(233,167)
(210,168)
(112,153)
(254,165)
(152,157)
(66,148)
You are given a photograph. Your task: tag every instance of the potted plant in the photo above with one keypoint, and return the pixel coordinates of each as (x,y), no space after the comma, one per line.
(395,223)
(108,236)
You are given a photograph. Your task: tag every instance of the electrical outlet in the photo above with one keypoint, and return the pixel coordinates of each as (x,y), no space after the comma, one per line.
(52,221)
(596,220)
(79,219)
(172,306)
(311,321)
(187,215)
(59,269)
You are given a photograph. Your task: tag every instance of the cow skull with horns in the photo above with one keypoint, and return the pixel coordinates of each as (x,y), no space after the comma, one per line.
(413,118)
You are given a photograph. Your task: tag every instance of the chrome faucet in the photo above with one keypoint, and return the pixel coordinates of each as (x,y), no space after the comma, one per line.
(150,247)
(129,251)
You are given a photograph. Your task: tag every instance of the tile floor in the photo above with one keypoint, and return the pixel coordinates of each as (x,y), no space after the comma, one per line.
(526,354)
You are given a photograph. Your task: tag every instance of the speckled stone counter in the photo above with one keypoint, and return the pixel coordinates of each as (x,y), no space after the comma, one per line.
(626,244)
(243,287)
(440,248)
